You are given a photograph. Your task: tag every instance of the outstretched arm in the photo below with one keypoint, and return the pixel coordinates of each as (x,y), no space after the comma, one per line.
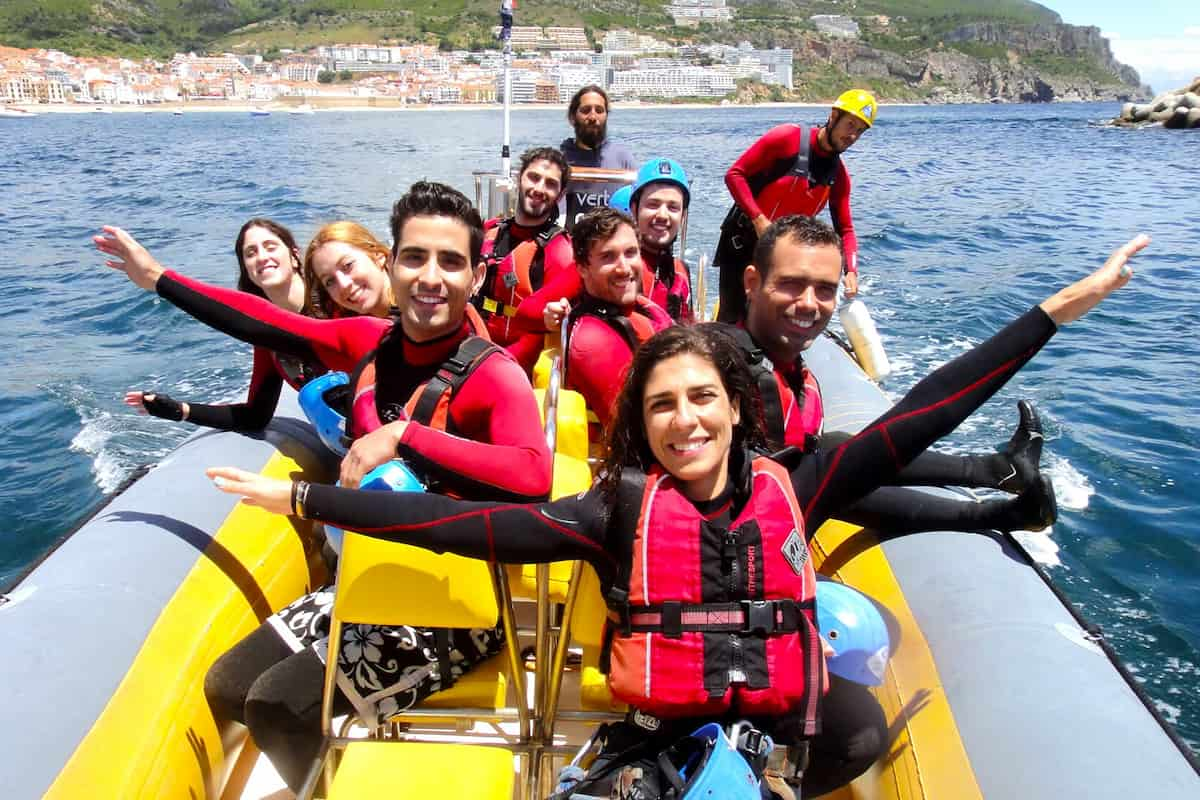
(337,344)
(828,481)
(570,528)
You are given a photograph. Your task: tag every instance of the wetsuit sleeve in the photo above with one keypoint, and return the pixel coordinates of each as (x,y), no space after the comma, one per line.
(839,212)
(501,452)
(827,481)
(337,344)
(596,365)
(562,280)
(259,408)
(779,143)
(572,527)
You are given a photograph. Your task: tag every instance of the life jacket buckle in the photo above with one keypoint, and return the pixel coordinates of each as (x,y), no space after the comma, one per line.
(759,617)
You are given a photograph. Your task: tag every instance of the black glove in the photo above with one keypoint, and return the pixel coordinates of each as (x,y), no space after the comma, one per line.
(161,405)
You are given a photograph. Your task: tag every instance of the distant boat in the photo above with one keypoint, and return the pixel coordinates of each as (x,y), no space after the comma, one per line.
(11,112)
(178,112)
(303,108)
(259,112)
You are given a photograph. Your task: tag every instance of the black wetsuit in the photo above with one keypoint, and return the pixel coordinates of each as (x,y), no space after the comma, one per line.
(825,481)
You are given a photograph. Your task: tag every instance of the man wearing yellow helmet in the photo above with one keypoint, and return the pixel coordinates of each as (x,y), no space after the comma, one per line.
(792,169)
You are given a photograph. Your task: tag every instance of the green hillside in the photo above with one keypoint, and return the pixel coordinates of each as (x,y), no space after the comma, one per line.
(162,27)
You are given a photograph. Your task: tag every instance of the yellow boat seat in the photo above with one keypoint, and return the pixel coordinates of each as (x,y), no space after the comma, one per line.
(422,769)
(587,629)
(571,476)
(388,583)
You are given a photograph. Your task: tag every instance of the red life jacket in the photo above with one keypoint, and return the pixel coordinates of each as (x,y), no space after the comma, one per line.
(646,320)
(429,404)
(811,407)
(513,273)
(666,282)
(706,620)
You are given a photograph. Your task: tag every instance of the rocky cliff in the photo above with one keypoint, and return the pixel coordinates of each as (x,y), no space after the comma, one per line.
(975,62)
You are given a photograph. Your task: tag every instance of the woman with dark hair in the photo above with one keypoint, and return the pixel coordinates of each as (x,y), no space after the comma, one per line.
(268,267)
(700,542)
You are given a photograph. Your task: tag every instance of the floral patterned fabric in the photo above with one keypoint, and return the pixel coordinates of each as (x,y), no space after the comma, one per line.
(382,669)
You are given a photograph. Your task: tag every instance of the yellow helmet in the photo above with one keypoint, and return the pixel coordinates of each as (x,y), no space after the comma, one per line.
(858,102)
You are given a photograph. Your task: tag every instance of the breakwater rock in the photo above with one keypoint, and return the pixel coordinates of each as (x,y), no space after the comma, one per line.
(1176,109)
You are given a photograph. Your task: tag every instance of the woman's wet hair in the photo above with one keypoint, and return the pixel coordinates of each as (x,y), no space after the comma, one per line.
(244,283)
(317,302)
(798,229)
(429,199)
(577,99)
(626,434)
(596,226)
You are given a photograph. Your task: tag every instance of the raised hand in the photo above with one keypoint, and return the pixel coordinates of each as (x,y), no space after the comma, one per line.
(128,255)
(1073,302)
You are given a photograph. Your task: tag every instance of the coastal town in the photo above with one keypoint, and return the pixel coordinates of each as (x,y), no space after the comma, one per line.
(548,65)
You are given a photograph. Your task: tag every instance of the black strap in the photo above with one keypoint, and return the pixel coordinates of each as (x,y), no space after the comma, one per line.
(764,379)
(451,375)
(441,638)
(537,267)
(610,314)
(747,617)
(501,245)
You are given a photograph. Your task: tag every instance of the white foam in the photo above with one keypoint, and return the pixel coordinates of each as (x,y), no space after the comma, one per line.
(1072,489)
(95,432)
(1040,546)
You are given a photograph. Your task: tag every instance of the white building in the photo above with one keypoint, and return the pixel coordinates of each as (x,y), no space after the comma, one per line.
(693,12)
(777,63)
(836,25)
(673,82)
(524,86)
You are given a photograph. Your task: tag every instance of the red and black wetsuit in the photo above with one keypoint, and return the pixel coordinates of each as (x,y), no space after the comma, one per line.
(269,373)
(762,182)
(824,482)
(601,340)
(788,194)
(551,276)
(666,281)
(495,416)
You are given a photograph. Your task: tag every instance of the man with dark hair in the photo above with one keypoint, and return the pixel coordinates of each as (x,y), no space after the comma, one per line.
(528,258)
(427,389)
(791,293)
(588,114)
(791,169)
(612,317)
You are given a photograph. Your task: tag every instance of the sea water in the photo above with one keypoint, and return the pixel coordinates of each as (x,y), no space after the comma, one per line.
(966,216)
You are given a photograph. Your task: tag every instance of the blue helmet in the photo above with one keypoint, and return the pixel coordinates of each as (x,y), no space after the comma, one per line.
(857,632)
(718,768)
(391,476)
(330,424)
(661,170)
(620,199)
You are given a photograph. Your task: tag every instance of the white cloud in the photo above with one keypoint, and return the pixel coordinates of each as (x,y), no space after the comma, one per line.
(1193,30)
(1164,62)
(1111,36)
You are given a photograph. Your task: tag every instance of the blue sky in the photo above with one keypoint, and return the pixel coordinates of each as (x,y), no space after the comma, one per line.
(1158,38)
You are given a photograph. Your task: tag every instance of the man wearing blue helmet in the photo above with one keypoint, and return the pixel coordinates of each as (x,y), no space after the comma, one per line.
(658,203)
